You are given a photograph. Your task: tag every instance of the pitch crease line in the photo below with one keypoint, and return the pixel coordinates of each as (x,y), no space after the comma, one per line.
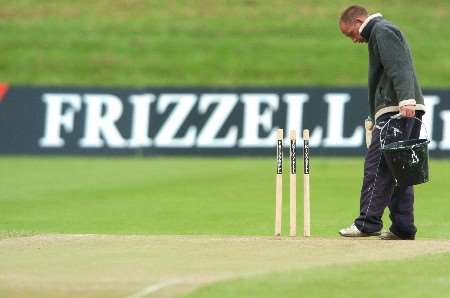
(155,288)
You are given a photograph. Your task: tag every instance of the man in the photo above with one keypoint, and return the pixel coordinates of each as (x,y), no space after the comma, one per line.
(393,90)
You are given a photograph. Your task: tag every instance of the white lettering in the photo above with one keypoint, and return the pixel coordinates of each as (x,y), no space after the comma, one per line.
(335,125)
(99,123)
(294,121)
(183,106)
(55,118)
(140,120)
(445,143)
(225,104)
(253,119)
(428,119)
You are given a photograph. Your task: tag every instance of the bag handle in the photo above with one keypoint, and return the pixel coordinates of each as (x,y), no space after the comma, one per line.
(399,116)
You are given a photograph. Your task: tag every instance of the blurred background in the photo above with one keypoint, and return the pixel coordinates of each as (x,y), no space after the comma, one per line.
(206,43)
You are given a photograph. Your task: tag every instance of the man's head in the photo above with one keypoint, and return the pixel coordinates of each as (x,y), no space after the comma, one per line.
(351,20)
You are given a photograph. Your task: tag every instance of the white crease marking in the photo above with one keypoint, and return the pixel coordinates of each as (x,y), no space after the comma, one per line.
(155,288)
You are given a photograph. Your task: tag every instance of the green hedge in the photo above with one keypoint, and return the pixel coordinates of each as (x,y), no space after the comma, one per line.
(206,42)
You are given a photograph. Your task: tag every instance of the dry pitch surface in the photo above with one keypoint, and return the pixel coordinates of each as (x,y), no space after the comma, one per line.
(170,266)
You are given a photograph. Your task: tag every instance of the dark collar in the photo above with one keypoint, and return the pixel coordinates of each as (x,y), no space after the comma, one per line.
(368,28)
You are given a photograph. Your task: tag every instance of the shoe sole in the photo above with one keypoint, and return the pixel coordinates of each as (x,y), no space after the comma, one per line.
(361,235)
(394,238)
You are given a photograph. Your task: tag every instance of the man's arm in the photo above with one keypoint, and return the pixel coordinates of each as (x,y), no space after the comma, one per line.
(397,61)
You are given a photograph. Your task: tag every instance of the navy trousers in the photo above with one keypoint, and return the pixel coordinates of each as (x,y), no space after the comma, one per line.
(379,189)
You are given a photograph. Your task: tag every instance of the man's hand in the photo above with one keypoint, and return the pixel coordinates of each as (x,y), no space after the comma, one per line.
(368,124)
(408,111)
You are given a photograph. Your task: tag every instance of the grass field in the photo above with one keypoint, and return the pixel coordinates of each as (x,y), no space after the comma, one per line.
(169,227)
(210,196)
(421,277)
(206,42)
(218,266)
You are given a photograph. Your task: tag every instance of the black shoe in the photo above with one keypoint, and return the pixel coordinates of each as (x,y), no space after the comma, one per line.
(392,236)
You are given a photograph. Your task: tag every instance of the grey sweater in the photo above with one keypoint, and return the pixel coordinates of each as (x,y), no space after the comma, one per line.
(392,77)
